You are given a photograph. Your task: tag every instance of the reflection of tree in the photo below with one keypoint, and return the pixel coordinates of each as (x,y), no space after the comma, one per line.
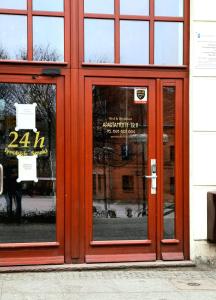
(98,60)
(119,152)
(3,53)
(46,54)
(42,94)
(39,54)
(21,54)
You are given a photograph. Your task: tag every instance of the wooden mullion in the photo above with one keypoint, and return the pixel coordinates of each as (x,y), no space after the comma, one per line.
(159,156)
(169,19)
(117,31)
(151,33)
(135,18)
(13,12)
(98,16)
(30,32)
(48,13)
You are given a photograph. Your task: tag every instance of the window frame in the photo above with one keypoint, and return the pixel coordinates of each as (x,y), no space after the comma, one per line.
(128,183)
(30,14)
(151,19)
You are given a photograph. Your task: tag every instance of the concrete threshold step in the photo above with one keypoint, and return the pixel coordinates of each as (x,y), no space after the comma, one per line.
(99,266)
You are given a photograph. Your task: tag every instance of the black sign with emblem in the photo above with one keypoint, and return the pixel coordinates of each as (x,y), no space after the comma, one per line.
(140,94)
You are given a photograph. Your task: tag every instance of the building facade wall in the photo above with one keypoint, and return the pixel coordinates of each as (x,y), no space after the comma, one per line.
(202,124)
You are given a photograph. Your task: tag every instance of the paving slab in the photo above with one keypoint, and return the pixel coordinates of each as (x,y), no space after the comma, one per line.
(128,284)
(191,285)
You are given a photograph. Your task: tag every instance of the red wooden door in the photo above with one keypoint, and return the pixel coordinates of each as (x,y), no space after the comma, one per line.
(133,164)
(120,135)
(32,170)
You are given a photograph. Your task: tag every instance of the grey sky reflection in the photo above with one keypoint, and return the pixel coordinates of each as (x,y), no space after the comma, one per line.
(48,36)
(169,8)
(134,42)
(135,7)
(13,4)
(99,6)
(13,36)
(168,43)
(99,41)
(48,5)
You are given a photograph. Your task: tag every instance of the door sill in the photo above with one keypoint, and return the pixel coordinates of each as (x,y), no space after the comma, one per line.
(100,266)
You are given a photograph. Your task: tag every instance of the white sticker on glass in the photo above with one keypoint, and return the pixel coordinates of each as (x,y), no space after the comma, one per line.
(25,116)
(27,168)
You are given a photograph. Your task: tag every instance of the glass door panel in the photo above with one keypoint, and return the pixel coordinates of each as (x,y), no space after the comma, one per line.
(28,162)
(120,158)
(133,161)
(169,161)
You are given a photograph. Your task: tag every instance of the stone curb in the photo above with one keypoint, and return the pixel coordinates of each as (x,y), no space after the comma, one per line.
(98,267)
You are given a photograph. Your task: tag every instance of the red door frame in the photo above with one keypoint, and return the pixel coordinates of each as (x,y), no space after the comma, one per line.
(172,249)
(43,252)
(74,71)
(112,251)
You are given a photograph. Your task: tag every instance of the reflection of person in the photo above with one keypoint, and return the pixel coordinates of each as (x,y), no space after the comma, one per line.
(13,192)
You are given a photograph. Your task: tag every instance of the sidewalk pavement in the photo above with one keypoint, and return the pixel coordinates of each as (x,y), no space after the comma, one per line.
(194,283)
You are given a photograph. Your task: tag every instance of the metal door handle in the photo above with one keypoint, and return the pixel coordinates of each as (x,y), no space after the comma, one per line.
(1,179)
(153,176)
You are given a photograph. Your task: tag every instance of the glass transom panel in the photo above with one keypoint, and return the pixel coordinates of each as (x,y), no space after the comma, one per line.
(168,43)
(134,42)
(99,6)
(13,37)
(48,38)
(169,8)
(48,5)
(13,4)
(99,41)
(135,7)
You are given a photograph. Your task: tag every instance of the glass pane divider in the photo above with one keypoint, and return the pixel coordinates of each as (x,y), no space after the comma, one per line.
(30,32)
(13,12)
(98,16)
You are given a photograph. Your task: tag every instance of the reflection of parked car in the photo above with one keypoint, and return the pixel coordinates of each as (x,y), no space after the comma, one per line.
(101,213)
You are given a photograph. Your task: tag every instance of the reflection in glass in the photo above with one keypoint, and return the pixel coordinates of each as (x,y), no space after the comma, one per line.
(13,4)
(168,43)
(99,41)
(134,42)
(48,5)
(28,209)
(99,6)
(48,38)
(135,7)
(119,164)
(169,8)
(13,37)
(169,161)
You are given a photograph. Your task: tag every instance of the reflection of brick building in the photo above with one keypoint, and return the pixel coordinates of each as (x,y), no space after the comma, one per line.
(123,175)
(118,151)
(120,159)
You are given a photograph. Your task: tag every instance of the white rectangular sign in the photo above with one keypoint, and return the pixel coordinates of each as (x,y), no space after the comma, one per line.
(26,116)
(205,50)
(27,168)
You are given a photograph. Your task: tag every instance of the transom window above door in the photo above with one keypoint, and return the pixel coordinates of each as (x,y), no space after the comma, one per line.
(138,32)
(32,30)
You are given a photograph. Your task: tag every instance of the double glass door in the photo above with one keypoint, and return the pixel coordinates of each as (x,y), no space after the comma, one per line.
(31,168)
(132,197)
